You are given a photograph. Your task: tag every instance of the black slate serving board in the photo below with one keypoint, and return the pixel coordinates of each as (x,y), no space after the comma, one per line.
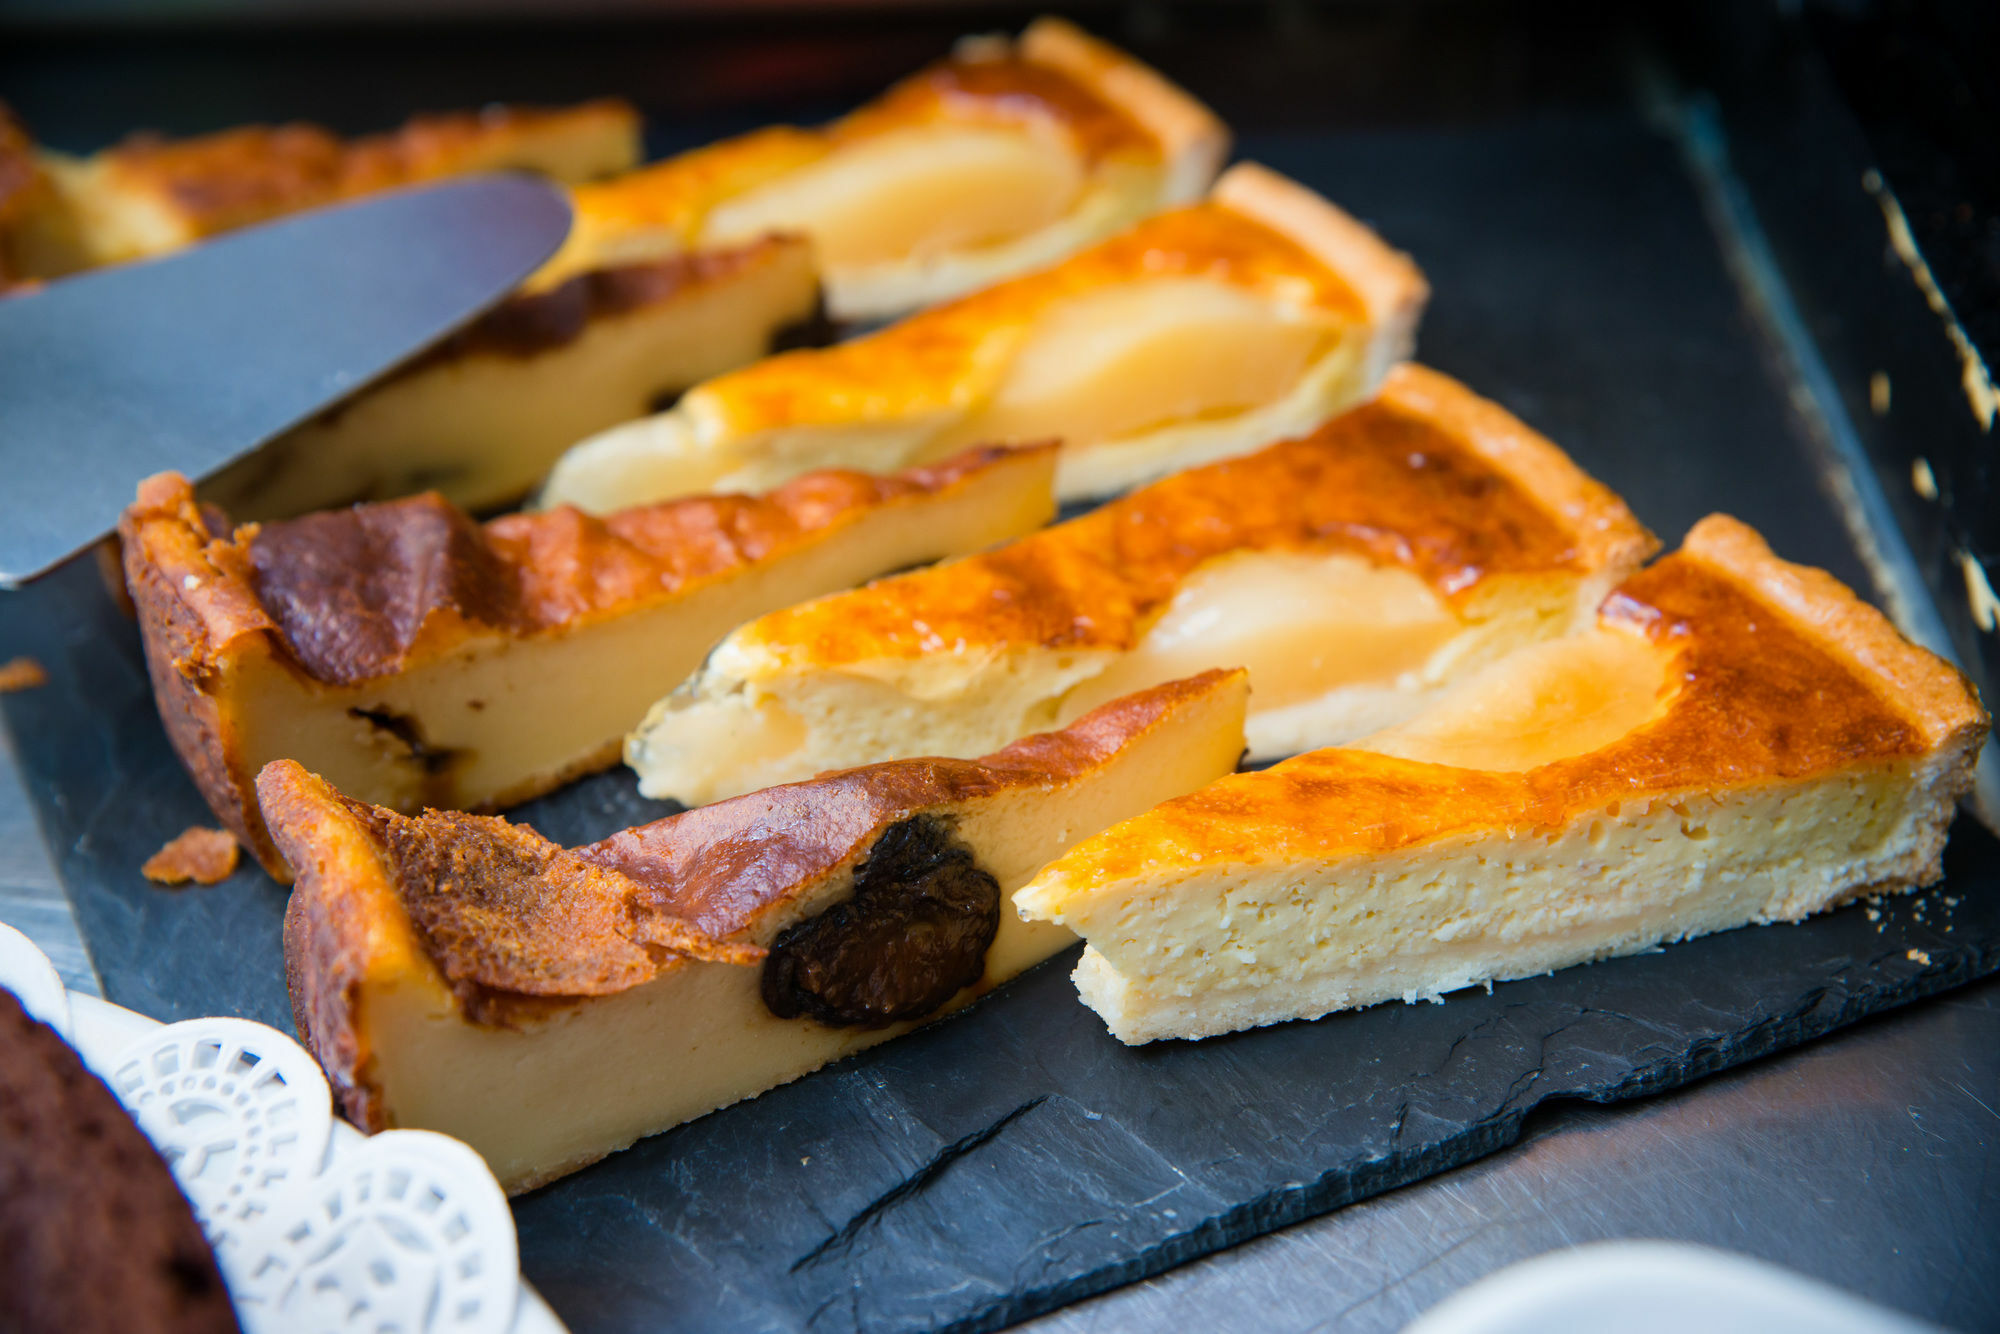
(1015,1157)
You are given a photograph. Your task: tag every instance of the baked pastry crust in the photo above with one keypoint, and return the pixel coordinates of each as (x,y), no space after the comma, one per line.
(1777,684)
(346,600)
(1427,478)
(151,194)
(500,932)
(921,385)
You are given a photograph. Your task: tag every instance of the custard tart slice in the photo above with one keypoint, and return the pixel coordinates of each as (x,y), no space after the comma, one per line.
(149,194)
(1008,156)
(1355,571)
(1735,740)
(1197,334)
(549,1006)
(417,658)
(481,417)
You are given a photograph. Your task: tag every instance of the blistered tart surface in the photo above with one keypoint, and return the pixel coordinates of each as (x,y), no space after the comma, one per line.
(935,360)
(425,659)
(1746,698)
(1007,155)
(549,1005)
(1387,481)
(358,593)
(1192,335)
(1354,571)
(1736,740)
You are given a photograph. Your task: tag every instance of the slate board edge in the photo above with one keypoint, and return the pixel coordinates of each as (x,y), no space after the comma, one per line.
(1338,1188)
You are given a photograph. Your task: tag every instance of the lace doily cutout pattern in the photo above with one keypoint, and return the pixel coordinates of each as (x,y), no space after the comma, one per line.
(239,1111)
(408,1232)
(27,972)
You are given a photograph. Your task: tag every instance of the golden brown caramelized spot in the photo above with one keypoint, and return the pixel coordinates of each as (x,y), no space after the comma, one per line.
(921,360)
(21,674)
(1755,700)
(205,856)
(240,176)
(353,590)
(358,593)
(502,909)
(1378,482)
(1005,90)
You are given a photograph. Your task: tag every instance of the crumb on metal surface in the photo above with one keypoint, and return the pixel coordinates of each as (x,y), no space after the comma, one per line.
(1918,956)
(205,856)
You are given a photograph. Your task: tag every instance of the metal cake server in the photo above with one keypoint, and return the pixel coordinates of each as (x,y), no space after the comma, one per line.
(190,361)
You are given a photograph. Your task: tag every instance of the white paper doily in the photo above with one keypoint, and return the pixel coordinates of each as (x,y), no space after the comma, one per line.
(317,1228)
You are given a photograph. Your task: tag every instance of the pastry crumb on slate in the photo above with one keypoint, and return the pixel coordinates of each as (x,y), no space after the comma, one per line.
(205,856)
(21,674)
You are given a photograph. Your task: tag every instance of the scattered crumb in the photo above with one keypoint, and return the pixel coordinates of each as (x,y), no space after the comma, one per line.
(805,1160)
(1878,393)
(1922,480)
(1874,913)
(21,674)
(1918,956)
(205,856)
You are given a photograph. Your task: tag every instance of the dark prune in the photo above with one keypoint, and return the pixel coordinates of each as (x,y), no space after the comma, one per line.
(913,935)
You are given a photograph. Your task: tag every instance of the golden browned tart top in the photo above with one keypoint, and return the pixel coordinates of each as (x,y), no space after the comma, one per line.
(1778,673)
(505,914)
(245,175)
(1428,476)
(360,593)
(1055,77)
(926,361)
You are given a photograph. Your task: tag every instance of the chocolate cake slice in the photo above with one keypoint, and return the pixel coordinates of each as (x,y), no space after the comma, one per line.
(94,1234)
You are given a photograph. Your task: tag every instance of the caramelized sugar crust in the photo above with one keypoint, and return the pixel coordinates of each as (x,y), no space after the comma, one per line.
(364,592)
(508,917)
(1003,90)
(1760,694)
(1428,477)
(926,362)
(240,176)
